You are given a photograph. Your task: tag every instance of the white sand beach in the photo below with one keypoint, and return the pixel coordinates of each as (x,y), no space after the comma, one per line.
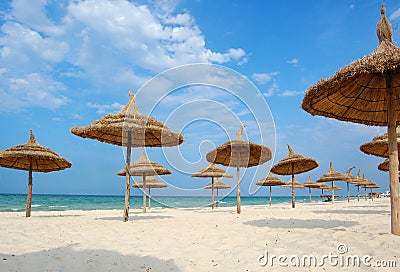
(200,240)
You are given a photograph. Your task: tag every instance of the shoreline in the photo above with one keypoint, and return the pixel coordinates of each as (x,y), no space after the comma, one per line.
(195,239)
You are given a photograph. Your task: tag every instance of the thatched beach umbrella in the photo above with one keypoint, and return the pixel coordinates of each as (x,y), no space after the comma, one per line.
(295,183)
(348,179)
(294,164)
(311,184)
(151,182)
(384,166)
(130,128)
(367,92)
(357,181)
(379,146)
(212,171)
(270,181)
(144,167)
(239,153)
(217,184)
(332,176)
(32,157)
(323,186)
(370,184)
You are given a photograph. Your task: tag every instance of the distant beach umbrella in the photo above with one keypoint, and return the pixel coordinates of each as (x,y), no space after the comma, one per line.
(294,164)
(130,128)
(370,184)
(217,185)
(379,146)
(311,184)
(294,183)
(151,182)
(335,188)
(212,171)
(323,186)
(144,167)
(348,178)
(367,92)
(239,153)
(270,181)
(32,157)
(332,176)
(357,181)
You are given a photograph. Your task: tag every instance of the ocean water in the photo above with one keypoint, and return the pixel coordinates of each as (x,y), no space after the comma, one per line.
(17,202)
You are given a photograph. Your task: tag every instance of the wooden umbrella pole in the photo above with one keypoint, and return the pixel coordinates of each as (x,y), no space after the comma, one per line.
(393,159)
(217,199)
(238,190)
(348,193)
(270,195)
(358,193)
(372,196)
(212,192)
(333,193)
(144,193)
(309,191)
(323,197)
(149,199)
(365,193)
(128,177)
(293,201)
(29,196)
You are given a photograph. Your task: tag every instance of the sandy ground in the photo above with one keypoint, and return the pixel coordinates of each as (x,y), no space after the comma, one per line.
(204,239)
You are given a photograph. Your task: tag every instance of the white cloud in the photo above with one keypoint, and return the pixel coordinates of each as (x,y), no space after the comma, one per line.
(31,90)
(293,61)
(101,109)
(395,15)
(272,89)
(264,78)
(352,6)
(106,42)
(291,93)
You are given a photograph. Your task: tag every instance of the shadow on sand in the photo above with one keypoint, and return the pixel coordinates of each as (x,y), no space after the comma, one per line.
(69,258)
(354,211)
(299,223)
(134,217)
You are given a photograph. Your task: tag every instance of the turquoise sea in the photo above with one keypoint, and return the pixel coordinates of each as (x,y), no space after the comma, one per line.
(17,202)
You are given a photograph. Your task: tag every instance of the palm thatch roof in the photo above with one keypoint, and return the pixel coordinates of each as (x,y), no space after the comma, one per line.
(357,92)
(324,186)
(332,175)
(294,164)
(311,184)
(270,180)
(239,152)
(151,182)
(379,146)
(145,131)
(32,156)
(384,166)
(335,188)
(144,166)
(218,185)
(211,170)
(296,184)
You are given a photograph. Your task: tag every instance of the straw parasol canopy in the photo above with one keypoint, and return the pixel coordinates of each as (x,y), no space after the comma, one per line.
(332,176)
(130,128)
(294,164)
(335,188)
(348,178)
(367,92)
(323,186)
(212,171)
(144,167)
(384,166)
(311,184)
(239,153)
(270,181)
(371,185)
(357,181)
(151,182)
(379,146)
(217,185)
(32,157)
(294,183)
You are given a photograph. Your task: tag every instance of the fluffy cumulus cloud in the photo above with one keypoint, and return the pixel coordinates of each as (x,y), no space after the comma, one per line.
(265,77)
(293,61)
(104,41)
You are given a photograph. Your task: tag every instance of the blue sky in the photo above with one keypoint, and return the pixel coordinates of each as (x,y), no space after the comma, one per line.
(67,63)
